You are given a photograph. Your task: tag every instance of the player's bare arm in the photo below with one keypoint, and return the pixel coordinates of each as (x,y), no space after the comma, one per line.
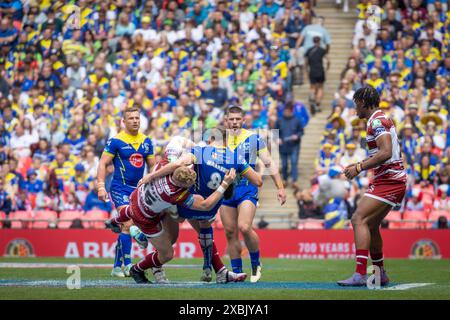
(384,144)
(264,155)
(169,168)
(105,160)
(207,204)
(253,177)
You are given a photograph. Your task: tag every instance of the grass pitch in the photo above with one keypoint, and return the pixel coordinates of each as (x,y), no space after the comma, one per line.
(282,279)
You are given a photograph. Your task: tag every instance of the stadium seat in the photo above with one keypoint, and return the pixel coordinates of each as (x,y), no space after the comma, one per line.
(2,217)
(45,215)
(311,225)
(25,215)
(94,219)
(419,216)
(434,216)
(66,218)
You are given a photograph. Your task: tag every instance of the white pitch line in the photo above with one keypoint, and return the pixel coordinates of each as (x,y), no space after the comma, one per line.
(407,286)
(26,265)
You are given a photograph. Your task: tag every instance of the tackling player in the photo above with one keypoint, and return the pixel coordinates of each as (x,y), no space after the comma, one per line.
(129,151)
(238,212)
(146,207)
(210,163)
(385,191)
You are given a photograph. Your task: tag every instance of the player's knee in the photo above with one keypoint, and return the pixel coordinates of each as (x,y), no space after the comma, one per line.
(231,233)
(357,220)
(245,228)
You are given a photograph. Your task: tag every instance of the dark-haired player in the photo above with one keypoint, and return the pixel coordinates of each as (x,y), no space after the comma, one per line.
(385,191)
(238,212)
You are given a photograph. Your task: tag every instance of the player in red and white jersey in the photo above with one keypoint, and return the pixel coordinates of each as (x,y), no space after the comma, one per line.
(146,207)
(386,191)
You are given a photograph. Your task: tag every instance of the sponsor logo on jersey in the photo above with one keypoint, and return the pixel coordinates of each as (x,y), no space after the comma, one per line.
(137,160)
(425,249)
(19,248)
(126,148)
(376,123)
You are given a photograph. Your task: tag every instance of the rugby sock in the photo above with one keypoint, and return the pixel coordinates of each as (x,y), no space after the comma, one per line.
(125,241)
(236,264)
(216,261)
(377,259)
(362,256)
(123,215)
(118,256)
(254,258)
(206,243)
(150,261)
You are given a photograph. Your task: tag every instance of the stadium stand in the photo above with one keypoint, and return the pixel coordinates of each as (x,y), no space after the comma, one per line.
(94,219)
(63,87)
(66,218)
(44,218)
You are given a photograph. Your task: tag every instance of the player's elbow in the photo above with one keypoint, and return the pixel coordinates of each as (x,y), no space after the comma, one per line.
(258,181)
(386,155)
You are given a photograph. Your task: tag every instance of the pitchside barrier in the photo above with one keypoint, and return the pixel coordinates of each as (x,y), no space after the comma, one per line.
(275,243)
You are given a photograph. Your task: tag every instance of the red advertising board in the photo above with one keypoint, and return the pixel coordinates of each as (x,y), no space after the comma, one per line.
(293,244)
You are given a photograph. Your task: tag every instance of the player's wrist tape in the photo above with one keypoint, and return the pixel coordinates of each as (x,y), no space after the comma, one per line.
(221,189)
(358,167)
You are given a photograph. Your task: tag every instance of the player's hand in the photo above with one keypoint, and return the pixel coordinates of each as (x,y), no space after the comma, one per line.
(102,195)
(350,171)
(146,179)
(230,176)
(281,196)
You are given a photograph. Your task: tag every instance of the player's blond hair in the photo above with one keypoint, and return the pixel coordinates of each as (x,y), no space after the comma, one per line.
(185,175)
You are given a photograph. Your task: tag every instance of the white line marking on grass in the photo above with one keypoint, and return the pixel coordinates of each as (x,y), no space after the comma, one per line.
(407,286)
(26,265)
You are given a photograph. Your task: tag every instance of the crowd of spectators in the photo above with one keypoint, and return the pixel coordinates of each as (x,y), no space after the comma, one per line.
(405,56)
(67,73)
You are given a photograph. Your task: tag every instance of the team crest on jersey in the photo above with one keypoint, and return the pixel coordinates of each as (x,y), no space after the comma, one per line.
(137,160)
(146,147)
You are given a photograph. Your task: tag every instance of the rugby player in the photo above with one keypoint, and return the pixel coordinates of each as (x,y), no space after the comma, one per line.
(237,213)
(146,210)
(210,163)
(385,191)
(129,151)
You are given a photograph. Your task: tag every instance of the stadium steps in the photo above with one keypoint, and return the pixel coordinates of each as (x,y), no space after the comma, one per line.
(340,26)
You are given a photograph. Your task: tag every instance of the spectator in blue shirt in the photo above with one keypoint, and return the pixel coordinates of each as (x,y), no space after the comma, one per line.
(8,34)
(12,7)
(198,13)
(270,8)
(32,185)
(75,140)
(219,95)
(5,199)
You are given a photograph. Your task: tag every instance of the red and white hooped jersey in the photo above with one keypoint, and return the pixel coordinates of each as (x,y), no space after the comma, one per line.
(161,194)
(377,125)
